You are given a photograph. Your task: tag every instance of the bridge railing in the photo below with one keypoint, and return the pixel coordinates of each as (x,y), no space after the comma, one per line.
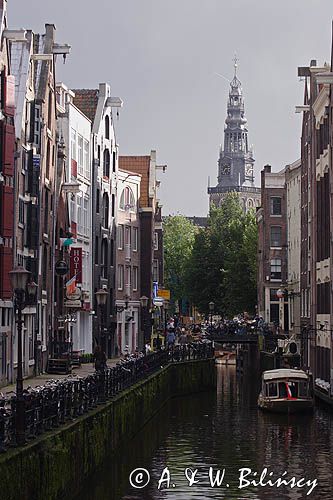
(59,401)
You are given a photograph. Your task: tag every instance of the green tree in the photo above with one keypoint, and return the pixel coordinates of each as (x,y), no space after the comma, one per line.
(178,239)
(222,267)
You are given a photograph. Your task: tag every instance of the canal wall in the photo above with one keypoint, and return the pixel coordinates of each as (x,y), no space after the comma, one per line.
(54,466)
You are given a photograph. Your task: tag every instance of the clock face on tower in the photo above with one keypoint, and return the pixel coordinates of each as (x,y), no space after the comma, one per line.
(249,169)
(226,169)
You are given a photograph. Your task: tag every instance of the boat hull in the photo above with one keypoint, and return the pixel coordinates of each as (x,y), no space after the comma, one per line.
(285,405)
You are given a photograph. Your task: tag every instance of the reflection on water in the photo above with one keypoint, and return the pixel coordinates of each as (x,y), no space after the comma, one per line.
(223,430)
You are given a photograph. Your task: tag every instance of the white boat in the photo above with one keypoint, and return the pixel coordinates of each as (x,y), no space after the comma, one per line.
(286,391)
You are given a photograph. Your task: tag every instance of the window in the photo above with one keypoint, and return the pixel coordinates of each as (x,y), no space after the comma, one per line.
(127,200)
(272,389)
(120,237)
(46,212)
(276,269)
(135,239)
(128,278)
(96,249)
(73,144)
(276,236)
(155,270)
(80,154)
(106,163)
(104,258)
(112,205)
(273,294)
(97,201)
(21,211)
(113,161)
(47,167)
(79,214)
(135,278)
(49,110)
(105,221)
(85,215)
(107,127)
(127,235)
(275,205)
(86,168)
(37,123)
(156,240)
(120,277)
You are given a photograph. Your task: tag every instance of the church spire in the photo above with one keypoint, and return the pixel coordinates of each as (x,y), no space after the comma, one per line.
(235,160)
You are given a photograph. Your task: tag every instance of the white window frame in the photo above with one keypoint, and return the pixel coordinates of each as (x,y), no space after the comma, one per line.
(135,239)
(86,166)
(79,154)
(120,238)
(135,278)
(120,279)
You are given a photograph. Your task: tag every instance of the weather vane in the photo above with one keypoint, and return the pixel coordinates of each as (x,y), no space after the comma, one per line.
(235,64)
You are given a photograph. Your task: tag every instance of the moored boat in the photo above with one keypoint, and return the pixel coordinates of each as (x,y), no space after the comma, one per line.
(286,391)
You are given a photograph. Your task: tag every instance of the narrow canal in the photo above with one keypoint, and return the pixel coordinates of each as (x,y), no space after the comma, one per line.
(222,430)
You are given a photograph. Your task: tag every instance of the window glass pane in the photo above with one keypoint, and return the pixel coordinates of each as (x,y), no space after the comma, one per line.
(276,269)
(73,144)
(86,159)
(275,205)
(80,154)
(276,236)
(272,389)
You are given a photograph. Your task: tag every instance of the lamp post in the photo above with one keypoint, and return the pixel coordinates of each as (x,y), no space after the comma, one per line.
(144,304)
(101,298)
(211,310)
(19,280)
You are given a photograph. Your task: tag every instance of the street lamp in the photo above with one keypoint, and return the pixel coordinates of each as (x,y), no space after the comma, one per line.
(211,310)
(101,298)
(19,280)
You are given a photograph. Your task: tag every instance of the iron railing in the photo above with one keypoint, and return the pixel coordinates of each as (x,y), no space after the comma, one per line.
(62,400)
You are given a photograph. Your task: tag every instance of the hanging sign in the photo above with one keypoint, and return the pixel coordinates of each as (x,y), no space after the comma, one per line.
(76,264)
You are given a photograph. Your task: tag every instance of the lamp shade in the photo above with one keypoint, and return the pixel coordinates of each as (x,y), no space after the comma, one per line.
(144,301)
(101,297)
(211,306)
(19,278)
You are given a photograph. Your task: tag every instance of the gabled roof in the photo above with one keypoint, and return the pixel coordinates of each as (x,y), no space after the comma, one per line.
(86,100)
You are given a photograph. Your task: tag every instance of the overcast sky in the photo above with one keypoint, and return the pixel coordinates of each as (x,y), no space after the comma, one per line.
(161,57)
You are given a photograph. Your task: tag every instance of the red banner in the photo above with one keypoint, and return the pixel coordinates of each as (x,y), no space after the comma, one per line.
(76,264)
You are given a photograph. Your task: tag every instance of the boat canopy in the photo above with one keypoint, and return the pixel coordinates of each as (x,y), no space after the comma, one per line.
(284,373)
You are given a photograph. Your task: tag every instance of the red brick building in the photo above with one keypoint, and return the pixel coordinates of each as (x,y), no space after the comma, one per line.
(150,227)
(272,248)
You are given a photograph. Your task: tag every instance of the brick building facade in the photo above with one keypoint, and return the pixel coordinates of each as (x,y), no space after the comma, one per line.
(272,248)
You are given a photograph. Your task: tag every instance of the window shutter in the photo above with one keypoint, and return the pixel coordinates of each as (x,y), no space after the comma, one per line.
(6,265)
(7,211)
(9,141)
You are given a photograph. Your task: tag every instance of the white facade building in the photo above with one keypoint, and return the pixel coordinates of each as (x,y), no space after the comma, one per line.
(75,129)
(128,262)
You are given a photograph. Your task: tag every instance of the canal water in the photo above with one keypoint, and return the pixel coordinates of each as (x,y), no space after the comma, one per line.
(222,430)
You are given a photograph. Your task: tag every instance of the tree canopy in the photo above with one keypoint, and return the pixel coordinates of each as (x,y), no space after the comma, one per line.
(222,265)
(178,236)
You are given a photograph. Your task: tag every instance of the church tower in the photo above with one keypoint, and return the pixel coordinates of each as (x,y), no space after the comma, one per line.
(236,162)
